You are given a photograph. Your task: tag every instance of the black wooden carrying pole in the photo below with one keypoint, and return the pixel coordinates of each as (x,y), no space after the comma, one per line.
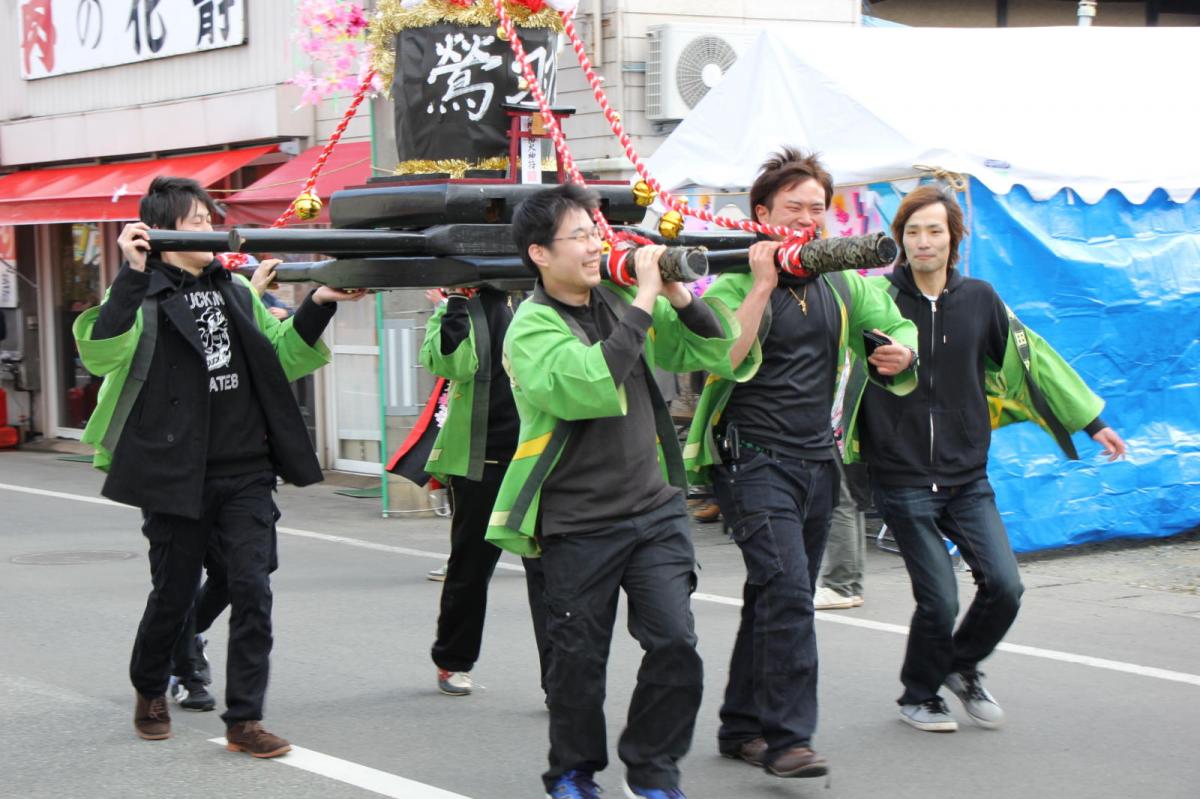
(455,239)
(472,254)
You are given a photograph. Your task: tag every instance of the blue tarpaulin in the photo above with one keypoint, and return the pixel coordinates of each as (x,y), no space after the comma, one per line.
(1114,287)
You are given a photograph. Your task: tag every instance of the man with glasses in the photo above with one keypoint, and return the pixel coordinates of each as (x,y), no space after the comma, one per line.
(591,491)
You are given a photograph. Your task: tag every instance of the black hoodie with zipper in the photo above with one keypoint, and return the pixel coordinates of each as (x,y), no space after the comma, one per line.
(939,434)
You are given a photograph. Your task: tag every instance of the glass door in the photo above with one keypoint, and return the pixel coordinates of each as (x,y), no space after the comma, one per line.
(352,389)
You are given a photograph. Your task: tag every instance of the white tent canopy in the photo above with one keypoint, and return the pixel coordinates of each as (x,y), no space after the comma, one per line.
(1091,109)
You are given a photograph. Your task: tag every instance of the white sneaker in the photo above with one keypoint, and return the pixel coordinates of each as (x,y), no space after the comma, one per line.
(931,715)
(454,683)
(828,599)
(979,704)
(438,575)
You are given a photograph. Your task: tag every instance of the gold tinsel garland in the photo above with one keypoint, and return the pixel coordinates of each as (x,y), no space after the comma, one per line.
(391,18)
(457,168)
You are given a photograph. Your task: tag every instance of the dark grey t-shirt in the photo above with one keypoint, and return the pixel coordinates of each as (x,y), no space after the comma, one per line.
(786,406)
(609,467)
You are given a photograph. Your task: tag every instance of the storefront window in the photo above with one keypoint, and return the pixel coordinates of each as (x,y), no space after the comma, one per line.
(77,250)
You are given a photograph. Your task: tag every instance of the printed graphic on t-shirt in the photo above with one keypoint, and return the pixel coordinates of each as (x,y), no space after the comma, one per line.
(214,335)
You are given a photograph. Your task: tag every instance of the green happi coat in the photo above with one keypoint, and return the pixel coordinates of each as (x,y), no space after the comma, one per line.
(558,378)
(1010,386)
(862,306)
(460,444)
(113,358)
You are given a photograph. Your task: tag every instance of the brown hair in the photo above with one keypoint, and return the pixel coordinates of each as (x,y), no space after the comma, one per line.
(919,198)
(785,169)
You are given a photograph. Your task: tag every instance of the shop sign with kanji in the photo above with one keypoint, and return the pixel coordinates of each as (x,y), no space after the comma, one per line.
(57,37)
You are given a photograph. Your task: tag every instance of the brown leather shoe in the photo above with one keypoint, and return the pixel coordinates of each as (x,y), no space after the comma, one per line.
(250,737)
(799,761)
(151,718)
(707,513)
(753,751)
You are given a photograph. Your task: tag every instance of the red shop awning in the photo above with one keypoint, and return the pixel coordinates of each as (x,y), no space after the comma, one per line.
(262,202)
(106,191)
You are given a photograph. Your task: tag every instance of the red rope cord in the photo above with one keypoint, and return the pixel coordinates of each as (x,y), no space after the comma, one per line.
(359,95)
(618,130)
(548,118)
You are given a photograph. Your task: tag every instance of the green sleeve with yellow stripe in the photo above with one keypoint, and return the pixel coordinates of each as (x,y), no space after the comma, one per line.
(1068,396)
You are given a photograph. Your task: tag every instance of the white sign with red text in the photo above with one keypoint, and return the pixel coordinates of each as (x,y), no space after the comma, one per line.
(57,37)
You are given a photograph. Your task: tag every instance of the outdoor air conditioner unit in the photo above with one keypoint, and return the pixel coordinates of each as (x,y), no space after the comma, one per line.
(684,61)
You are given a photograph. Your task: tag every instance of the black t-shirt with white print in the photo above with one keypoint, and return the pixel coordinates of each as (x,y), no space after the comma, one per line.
(237,430)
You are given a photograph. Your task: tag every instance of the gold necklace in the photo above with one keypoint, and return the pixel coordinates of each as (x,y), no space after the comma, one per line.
(801,301)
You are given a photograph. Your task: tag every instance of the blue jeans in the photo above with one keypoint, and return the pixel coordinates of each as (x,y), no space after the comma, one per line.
(918,517)
(779,512)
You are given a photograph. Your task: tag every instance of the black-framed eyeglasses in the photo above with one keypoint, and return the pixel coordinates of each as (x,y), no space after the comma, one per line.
(582,236)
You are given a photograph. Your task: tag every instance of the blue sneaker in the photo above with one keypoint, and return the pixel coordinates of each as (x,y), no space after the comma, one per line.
(633,792)
(575,785)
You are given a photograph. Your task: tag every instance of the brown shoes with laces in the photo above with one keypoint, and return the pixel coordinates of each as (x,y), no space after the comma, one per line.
(799,761)
(753,751)
(151,718)
(250,737)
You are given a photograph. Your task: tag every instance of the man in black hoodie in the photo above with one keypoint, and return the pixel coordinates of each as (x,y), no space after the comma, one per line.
(927,453)
(193,422)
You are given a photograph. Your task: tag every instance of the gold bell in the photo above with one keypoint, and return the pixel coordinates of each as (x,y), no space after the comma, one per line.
(522,84)
(501,34)
(643,195)
(671,224)
(308,206)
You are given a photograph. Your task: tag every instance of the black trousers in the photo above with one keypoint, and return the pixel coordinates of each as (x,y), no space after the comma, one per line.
(779,512)
(651,557)
(211,600)
(468,571)
(238,515)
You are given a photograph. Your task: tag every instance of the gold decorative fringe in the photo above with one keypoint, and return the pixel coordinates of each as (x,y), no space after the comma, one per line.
(391,17)
(457,167)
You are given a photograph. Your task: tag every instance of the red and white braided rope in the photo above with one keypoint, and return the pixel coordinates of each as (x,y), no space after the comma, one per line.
(618,130)
(359,95)
(548,118)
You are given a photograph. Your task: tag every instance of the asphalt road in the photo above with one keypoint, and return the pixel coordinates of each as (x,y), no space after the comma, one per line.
(1100,676)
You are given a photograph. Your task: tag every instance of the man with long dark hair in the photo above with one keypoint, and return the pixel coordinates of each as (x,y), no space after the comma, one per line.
(927,453)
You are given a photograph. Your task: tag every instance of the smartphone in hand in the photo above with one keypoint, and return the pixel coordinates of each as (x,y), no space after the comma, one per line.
(871,340)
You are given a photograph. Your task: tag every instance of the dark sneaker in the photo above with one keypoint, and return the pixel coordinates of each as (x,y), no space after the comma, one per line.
(799,761)
(932,715)
(200,660)
(633,792)
(191,694)
(976,700)
(753,751)
(250,737)
(151,718)
(575,785)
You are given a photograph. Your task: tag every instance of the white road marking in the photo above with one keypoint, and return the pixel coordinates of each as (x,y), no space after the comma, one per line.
(365,777)
(833,618)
